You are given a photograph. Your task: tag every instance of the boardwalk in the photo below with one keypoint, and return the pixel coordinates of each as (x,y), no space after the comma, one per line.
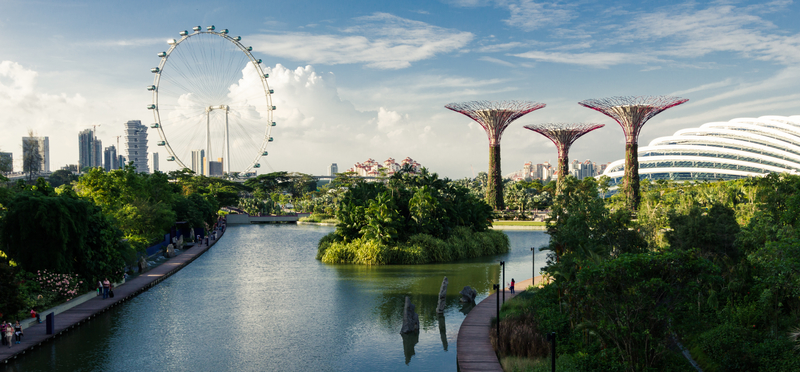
(36,334)
(474,350)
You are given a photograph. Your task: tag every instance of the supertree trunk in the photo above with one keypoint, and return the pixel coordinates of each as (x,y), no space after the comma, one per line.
(563,167)
(630,180)
(632,113)
(494,117)
(563,136)
(494,190)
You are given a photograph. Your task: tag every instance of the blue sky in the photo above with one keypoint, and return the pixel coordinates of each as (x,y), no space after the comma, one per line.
(364,79)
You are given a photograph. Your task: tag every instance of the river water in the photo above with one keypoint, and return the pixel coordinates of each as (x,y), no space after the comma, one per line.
(259,301)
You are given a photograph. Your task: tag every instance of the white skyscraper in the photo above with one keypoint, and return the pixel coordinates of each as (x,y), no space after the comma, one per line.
(154,162)
(136,145)
(198,162)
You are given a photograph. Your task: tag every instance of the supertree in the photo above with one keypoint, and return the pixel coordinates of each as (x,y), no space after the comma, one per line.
(563,136)
(631,113)
(495,117)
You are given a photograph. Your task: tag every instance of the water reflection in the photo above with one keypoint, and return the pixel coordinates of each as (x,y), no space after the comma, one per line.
(443,331)
(260,301)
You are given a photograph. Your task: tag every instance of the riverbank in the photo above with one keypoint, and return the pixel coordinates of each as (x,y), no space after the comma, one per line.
(475,351)
(67,316)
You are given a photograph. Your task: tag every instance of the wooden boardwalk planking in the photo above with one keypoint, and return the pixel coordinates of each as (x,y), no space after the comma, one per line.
(36,334)
(474,349)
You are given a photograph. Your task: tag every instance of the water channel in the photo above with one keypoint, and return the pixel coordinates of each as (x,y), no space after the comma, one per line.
(259,301)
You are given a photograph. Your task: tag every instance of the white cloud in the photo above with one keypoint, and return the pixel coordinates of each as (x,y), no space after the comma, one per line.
(381,41)
(531,15)
(497,61)
(594,59)
(22,107)
(690,33)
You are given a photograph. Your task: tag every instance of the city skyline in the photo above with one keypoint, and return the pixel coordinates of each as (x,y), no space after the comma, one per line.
(358,78)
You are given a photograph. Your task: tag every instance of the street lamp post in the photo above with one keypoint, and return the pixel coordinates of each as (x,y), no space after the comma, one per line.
(533,265)
(497,288)
(503,264)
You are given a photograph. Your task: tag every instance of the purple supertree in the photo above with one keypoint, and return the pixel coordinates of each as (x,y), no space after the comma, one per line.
(631,113)
(563,136)
(495,117)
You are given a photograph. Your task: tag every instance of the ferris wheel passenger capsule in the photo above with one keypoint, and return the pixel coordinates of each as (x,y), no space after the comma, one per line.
(172,41)
(266,76)
(249,49)
(162,54)
(271,91)
(196,28)
(151,107)
(274,108)
(258,61)
(210,28)
(238,38)
(270,139)
(155,70)
(274,124)
(184,33)
(170,158)
(154,125)
(161,143)
(224,32)
(151,87)
(264,153)
(257,166)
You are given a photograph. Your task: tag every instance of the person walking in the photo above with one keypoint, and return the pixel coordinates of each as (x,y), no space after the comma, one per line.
(18,331)
(3,333)
(511,287)
(106,287)
(99,287)
(9,333)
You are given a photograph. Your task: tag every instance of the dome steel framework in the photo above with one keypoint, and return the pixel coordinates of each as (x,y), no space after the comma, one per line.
(739,148)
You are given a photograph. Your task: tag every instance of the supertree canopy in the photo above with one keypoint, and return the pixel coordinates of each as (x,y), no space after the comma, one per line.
(495,117)
(631,113)
(563,136)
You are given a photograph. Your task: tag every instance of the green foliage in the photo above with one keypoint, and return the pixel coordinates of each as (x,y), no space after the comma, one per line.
(419,249)
(384,221)
(70,235)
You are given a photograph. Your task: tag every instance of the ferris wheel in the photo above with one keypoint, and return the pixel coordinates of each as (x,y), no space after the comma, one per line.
(212,104)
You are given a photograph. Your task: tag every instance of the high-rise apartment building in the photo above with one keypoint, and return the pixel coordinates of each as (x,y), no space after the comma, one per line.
(215,168)
(40,145)
(333,170)
(198,162)
(154,162)
(90,150)
(136,145)
(110,158)
(6,162)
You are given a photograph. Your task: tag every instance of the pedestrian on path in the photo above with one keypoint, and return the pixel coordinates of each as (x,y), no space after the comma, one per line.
(106,287)
(9,333)
(511,287)
(3,332)
(34,314)
(99,287)
(18,331)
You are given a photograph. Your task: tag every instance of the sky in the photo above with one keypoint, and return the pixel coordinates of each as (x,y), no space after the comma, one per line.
(368,79)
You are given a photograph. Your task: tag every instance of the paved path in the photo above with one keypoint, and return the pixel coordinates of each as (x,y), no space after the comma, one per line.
(36,334)
(474,349)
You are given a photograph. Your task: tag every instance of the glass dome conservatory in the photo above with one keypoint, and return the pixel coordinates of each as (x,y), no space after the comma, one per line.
(721,150)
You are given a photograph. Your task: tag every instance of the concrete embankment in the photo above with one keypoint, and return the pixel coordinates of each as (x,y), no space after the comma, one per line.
(83,308)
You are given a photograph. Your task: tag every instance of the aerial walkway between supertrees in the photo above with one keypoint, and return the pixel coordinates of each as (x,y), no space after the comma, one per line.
(632,113)
(563,136)
(495,117)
